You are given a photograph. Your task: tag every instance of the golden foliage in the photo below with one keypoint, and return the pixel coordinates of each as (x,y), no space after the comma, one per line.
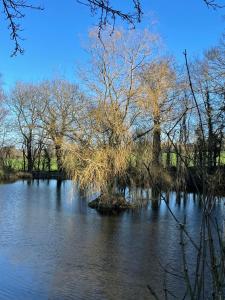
(107,119)
(96,167)
(158,81)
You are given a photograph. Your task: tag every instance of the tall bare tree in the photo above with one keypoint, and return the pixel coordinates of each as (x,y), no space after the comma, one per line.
(61,103)
(24,103)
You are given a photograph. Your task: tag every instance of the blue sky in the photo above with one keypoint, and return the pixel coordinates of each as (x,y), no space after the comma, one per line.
(54,37)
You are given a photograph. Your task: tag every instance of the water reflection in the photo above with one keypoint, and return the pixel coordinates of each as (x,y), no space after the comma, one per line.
(58,194)
(54,247)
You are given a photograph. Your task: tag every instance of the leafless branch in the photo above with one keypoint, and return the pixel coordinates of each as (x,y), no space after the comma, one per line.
(14,11)
(213,4)
(109,13)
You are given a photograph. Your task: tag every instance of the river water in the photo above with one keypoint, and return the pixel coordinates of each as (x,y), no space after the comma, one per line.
(52,246)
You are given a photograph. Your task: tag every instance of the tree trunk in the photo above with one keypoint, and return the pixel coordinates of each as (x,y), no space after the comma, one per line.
(210,132)
(58,153)
(156,147)
(24,161)
(29,158)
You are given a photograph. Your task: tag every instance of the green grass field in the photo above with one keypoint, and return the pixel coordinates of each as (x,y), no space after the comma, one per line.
(173,159)
(17,164)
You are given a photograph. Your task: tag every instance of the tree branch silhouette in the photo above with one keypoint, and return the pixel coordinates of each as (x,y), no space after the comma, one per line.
(14,11)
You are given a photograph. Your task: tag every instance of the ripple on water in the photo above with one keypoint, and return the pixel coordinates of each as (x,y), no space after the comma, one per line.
(52,246)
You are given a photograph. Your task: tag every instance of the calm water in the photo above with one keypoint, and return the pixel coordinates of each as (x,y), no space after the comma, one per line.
(52,246)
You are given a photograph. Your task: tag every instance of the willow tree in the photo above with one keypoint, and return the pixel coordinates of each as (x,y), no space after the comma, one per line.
(113,88)
(158,85)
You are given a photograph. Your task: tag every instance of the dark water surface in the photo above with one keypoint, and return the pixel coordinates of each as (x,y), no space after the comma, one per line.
(52,246)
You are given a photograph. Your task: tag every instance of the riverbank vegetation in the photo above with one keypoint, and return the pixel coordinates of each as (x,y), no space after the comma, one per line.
(136,117)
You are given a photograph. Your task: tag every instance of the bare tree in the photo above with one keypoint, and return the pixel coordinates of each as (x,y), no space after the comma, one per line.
(61,103)
(3,130)
(24,102)
(208,79)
